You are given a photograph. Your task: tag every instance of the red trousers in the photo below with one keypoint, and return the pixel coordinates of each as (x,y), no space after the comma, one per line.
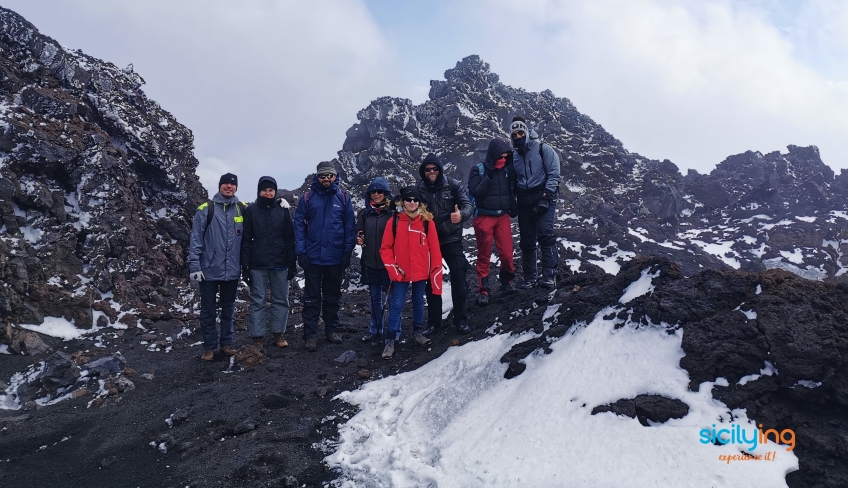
(487,227)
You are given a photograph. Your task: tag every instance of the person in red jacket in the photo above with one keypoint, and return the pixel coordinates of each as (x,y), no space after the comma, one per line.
(412,256)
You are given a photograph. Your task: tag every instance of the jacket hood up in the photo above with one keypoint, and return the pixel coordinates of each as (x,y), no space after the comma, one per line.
(496,148)
(432,159)
(378,183)
(263,179)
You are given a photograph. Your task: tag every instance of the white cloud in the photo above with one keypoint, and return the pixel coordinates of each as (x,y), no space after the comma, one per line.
(267,87)
(690,81)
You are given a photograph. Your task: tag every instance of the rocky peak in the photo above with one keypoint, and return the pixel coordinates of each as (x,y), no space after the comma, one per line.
(97,187)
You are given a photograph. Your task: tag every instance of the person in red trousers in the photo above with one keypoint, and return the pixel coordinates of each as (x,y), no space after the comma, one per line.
(491,183)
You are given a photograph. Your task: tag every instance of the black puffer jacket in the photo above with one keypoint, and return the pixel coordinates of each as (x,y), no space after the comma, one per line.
(371,223)
(492,190)
(440,197)
(268,240)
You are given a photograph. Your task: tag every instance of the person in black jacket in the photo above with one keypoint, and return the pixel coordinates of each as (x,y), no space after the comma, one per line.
(447,199)
(370,224)
(490,183)
(268,260)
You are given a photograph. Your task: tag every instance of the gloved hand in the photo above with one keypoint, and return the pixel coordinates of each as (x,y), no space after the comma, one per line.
(197,276)
(292,270)
(284,203)
(543,206)
(513,213)
(303,261)
(346,260)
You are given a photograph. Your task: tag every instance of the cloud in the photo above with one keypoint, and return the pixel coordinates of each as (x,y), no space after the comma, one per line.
(690,81)
(267,87)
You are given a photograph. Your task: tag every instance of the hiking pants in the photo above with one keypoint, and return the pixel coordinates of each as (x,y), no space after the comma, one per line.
(454,256)
(209,302)
(533,228)
(326,281)
(487,227)
(398,297)
(378,285)
(261,280)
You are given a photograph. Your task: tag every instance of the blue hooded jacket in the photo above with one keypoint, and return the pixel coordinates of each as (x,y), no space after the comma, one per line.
(532,171)
(216,249)
(324,224)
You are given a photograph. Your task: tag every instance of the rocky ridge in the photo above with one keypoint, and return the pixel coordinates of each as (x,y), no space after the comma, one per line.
(753,212)
(97,188)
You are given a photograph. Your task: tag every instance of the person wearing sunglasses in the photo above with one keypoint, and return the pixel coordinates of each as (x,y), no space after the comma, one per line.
(413,259)
(537,183)
(490,183)
(324,234)
(370,223)
(448,200)
(268,261)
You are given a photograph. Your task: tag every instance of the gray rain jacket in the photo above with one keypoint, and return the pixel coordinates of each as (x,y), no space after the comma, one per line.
(216,250)
(532,171)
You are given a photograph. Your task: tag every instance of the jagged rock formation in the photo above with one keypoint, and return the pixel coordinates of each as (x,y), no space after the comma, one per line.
(753,212)
(97,187)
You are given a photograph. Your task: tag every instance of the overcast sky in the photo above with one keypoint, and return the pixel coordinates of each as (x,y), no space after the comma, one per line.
(271,86)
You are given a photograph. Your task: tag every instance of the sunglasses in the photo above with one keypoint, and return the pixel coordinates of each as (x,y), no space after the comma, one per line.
(431,169)
(377,192)
(326,176)
(411,200)
(518,134)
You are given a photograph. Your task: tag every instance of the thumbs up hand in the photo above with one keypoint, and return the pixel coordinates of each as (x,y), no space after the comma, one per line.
(456,216)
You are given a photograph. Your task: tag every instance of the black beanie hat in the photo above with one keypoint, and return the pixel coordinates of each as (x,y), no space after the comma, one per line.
(228,178)
(410,191)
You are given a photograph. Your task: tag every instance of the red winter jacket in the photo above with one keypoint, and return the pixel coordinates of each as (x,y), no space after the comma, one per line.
(412,250)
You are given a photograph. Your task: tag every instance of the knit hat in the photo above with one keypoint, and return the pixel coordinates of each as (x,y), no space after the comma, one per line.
(410,191)
(326,167)
(267,182)
(228,178)
(518,124)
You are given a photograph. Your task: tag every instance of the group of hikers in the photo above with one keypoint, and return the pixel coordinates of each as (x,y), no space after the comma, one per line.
(404,242)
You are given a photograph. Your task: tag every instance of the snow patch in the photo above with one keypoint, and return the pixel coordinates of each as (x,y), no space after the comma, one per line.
(640,287)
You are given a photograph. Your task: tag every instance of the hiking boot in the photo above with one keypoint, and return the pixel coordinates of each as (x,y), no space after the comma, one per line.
(420,339)
(430,330)
(463,327)
(311,345)
(334,338)
(529,282)
(280,341)
(369,337)
(208,355)
(389,350)
(228,350)
(257,342)
(507,287)
(483,299)
(548,279)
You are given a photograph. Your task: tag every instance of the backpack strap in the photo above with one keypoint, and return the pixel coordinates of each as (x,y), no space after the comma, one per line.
(210,214)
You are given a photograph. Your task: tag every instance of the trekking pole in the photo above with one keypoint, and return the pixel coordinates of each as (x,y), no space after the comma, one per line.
(385,317)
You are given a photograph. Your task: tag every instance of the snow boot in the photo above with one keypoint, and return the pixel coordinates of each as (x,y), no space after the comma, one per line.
(389,350)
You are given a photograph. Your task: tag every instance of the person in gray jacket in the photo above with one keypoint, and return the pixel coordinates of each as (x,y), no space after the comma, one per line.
(213,260)
(536,186)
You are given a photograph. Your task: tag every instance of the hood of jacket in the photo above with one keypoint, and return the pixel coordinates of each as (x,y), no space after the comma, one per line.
(496,148)
(218,198)
(432,159)
(378,183)
(262,180)
(319,188)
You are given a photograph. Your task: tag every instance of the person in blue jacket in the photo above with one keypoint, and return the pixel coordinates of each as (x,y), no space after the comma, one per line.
(536,186)
(325,234)
(214,262)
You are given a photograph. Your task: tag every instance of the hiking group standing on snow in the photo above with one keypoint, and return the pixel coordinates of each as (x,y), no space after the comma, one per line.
(404,243)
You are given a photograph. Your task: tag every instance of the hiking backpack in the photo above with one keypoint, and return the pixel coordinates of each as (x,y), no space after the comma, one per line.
(211,213)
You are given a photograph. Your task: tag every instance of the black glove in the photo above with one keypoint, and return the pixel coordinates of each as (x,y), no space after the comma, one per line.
(346,260)
(292,270)
(513,213)
(303,261)
(542,206)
